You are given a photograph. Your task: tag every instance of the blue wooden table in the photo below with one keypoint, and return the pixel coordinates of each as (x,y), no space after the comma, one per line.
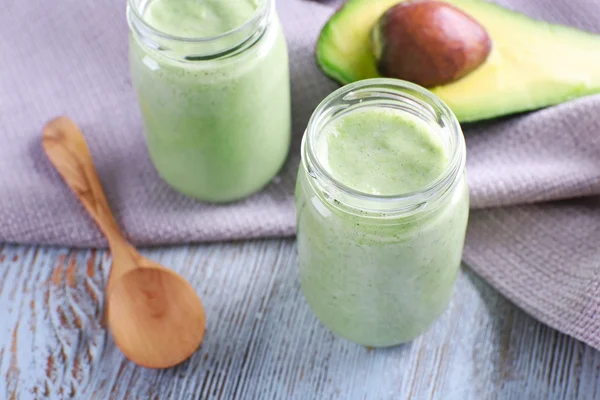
(262,341)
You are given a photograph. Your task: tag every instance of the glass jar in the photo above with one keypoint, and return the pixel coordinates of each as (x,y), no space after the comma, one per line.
(216,110)
(378,270)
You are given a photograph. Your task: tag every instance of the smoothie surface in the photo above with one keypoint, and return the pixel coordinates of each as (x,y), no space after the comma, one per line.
(199,18)
(381,151)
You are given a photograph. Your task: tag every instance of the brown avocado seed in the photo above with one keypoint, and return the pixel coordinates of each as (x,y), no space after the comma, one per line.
(429,42)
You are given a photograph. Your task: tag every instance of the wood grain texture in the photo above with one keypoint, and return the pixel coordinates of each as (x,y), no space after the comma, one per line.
(262,341)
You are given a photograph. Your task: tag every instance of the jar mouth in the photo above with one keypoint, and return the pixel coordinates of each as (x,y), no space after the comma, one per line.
(259,13)
(402,95)
(202,48)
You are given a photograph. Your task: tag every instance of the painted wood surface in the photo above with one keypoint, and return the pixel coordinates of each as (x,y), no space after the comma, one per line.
(263,342)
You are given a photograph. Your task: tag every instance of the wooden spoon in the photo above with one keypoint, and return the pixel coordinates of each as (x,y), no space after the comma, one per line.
(155,316)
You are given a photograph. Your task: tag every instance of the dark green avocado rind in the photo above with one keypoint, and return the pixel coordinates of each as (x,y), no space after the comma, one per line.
(321,51)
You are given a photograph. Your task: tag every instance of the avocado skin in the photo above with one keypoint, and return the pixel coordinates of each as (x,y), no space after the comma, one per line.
(533,64)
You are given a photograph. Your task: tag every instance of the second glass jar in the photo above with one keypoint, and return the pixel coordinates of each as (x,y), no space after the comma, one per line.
(379,269)
(216,109)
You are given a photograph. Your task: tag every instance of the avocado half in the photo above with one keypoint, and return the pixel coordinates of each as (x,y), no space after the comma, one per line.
(533,64)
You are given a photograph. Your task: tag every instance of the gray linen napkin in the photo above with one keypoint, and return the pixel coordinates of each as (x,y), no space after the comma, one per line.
(70,57)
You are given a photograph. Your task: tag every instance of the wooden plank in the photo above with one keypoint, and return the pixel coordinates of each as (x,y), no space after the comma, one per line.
(262,340)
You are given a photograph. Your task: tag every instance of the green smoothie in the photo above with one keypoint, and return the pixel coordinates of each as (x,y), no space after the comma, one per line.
(199,18)
(216,110)
(381,151)
(379,281)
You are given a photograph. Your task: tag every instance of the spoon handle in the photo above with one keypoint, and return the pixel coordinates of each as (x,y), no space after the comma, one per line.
(67,150)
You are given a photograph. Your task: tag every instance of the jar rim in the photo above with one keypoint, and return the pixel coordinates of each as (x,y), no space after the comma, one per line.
(389,89)
(258,14)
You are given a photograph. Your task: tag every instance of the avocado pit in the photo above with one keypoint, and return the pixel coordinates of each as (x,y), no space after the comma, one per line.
(429,42)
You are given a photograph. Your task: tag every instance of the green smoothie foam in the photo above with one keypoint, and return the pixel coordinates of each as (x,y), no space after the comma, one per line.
(199,18)
(381,151)
(379,282)
(217,129)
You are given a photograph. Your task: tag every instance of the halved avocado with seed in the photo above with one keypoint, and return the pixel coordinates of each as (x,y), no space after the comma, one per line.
(532,64)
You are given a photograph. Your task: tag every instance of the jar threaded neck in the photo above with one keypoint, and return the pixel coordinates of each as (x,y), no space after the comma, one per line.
(199,48)
(383,92)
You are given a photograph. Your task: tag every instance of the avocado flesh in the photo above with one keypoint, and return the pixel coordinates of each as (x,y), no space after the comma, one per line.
(533,64)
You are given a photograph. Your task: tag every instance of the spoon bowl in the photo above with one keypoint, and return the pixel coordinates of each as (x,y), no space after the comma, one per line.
(155,316)
(159,313)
